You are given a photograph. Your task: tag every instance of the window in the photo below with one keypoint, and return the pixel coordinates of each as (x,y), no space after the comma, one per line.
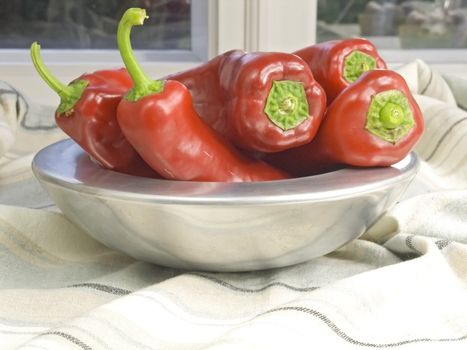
(92,24)
(85,30)
(80,36)
(400,28)
(178,34)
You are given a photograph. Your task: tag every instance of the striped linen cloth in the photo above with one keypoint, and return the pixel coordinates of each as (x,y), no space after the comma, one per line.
(402,285)
(25,128)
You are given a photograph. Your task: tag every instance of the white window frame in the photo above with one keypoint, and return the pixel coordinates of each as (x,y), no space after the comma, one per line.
(266,25)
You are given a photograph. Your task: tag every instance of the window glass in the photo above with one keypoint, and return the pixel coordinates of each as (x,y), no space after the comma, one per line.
(92,24)
(393,24)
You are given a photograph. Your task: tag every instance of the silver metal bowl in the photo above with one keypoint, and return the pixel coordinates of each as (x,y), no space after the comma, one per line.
(219,226)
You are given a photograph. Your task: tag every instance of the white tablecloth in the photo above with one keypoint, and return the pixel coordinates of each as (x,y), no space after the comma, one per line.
(401,285)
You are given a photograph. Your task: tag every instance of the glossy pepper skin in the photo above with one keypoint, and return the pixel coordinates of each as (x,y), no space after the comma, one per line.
(87,114)
(260,101)
(203,83)
(373,122)
(256,100)
(159,120)
(336,64)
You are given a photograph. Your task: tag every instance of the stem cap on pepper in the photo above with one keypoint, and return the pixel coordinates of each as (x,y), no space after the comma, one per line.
(357,63)
(390,116)
(287,105)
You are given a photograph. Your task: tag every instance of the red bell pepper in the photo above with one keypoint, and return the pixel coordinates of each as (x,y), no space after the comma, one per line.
(159,120)
(261,101)
(338,63)
(272,100)
(87,114)
(373,122)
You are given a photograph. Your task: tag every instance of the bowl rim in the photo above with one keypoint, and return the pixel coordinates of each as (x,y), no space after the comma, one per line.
(65,164)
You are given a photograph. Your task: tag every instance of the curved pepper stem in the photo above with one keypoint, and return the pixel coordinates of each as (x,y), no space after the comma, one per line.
(389,116)
(70,94)
(143,85)
(287,105)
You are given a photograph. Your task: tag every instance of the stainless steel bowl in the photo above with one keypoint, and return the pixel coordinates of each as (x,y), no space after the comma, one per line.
(219,226)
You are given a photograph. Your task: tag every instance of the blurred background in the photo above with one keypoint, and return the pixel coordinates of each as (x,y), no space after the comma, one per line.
(79,35)
(396,24)
(91,24)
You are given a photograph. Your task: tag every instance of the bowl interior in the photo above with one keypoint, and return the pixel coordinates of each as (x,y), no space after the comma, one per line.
(65,164)
(217,226)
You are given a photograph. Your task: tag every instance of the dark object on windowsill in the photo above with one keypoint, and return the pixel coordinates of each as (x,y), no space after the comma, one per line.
(437,36)
(439,28)
(379,19)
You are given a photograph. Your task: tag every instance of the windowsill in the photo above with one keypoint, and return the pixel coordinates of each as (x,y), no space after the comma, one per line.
(459,69)
(431,56)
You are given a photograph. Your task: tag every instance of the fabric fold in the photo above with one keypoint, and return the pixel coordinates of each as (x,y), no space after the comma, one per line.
(423,80)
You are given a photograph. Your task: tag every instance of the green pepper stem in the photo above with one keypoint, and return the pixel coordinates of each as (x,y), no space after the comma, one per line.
(61,89)
(143,85)
(69,94)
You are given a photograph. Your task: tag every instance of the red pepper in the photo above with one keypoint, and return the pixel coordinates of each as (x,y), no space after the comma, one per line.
(338,63)
(373,122)
(261,101)
(203,83)
(272,100)
(159,120)
(87,114)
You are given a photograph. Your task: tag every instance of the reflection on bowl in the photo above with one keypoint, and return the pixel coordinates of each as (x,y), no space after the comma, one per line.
(219,226)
